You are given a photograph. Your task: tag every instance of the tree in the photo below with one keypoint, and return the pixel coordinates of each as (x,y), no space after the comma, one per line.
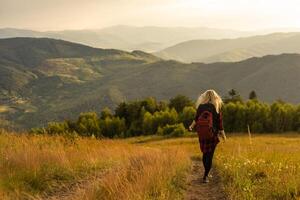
(162,118)
(252,95)
(135,129)
(106,112)
(234,96)
(179,102)
(113,127)
(88,124)
(297,119)
(148,124)
(281,117)
(187,115)
(230,111)
(129,111)
(232,93)
(162,105)
(149,104)
(149,117)
(257,114)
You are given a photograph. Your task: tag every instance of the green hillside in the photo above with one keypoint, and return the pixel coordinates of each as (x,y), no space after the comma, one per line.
(45,80)
(232,50)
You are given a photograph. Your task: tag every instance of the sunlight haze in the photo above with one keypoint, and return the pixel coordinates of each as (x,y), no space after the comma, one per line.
(95,14)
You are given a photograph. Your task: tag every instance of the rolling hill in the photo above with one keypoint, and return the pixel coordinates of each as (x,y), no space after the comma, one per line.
(45,79)
(232,50)
(148,38)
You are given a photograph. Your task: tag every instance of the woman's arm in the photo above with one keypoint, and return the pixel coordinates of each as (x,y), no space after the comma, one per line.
(220,127)
(191,127)
(220,122)
(222,134)
(193,124)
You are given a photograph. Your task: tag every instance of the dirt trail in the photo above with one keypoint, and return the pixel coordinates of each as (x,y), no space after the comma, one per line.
(196,190)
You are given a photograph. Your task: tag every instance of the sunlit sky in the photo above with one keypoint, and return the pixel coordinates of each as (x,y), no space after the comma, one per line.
(96,14)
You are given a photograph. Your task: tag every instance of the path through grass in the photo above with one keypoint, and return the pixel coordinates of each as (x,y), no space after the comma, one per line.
(56,167)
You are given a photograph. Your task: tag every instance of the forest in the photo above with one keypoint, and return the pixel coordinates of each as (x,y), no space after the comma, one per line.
(172,118)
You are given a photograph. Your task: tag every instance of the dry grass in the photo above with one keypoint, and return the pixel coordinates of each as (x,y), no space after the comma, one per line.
(36,167)
(267,169)
(262,167)
(153,174)
(43,166)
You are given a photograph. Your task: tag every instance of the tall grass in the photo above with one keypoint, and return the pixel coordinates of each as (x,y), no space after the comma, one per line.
(268,167)
(49,166)
(40,166)
(260,167)
(146,175)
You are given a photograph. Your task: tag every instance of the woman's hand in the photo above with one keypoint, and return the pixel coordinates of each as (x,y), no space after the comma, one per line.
(191,127)
(222,134)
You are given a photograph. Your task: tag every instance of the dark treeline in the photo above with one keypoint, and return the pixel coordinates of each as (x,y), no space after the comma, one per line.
(171,118)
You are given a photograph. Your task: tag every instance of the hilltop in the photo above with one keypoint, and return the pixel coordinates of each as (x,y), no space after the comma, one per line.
(232,50)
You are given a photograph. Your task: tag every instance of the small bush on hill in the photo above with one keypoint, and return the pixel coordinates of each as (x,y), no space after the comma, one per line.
(174,130)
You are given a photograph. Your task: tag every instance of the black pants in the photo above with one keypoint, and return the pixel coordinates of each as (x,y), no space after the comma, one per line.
(207,161)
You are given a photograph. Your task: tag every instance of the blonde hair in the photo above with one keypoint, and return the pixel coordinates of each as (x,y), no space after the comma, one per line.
(210,96)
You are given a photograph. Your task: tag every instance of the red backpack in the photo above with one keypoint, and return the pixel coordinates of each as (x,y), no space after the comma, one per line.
(204,125)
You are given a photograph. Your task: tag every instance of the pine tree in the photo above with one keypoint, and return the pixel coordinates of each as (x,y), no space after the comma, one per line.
(252,95)
(232,93)
(234,96)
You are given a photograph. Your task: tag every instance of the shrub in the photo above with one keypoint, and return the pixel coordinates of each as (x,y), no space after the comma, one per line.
(162,118)
(57,128)
(38,131)
(174,130)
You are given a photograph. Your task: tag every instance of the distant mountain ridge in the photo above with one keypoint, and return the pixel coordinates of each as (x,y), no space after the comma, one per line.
(43,79)
(148,38)
(233,50)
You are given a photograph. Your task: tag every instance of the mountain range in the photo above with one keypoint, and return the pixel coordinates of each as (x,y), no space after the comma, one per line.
(232,50)
(44,79)
(148,38)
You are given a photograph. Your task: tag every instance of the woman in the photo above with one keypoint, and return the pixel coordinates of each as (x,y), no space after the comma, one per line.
(212,102)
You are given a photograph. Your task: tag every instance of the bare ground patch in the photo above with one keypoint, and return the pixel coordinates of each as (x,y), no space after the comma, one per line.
(196,190)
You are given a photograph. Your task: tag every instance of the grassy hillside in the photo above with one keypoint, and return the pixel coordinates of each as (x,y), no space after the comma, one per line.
(232,50)
(45,80)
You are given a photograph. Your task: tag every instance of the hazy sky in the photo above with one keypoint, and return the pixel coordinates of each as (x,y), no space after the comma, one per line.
(94,14)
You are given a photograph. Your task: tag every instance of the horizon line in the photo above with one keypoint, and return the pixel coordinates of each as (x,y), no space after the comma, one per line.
(275,29)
